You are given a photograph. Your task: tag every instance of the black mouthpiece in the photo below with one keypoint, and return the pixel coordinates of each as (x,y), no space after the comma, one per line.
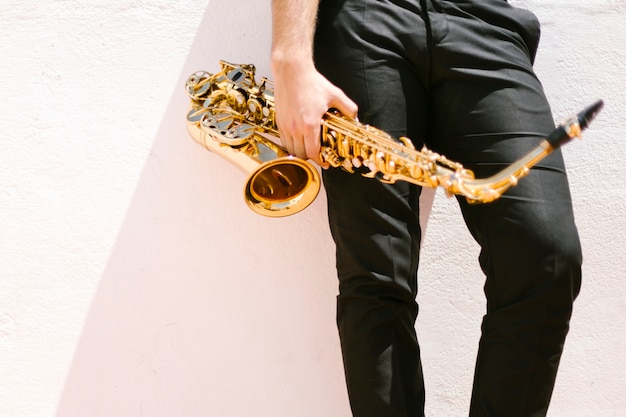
(564,133)
(589,113)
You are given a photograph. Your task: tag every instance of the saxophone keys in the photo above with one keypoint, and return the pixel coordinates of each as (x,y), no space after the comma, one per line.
(328,137)
(380,161)
(328,155)
(416,172)
(448,184)
(362,154)
(238,135)
(346,165)
(431,181)
(243,131)
(198,84)
(371,165)
(407,142)
(390,165)
(255,108)
(236,99)
(219,121)
(195,115)
(371,174)
(344,147)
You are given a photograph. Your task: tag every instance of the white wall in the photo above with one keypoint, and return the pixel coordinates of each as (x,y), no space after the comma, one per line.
(135,282)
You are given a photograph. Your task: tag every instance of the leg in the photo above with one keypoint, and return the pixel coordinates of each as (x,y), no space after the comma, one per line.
(531,258)
(490,109)
(375,226)
(376,231)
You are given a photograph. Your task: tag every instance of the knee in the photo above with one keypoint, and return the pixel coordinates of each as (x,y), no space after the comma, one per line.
(542,268)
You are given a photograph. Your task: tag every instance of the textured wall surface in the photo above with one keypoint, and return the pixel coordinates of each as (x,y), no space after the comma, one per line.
(135,282)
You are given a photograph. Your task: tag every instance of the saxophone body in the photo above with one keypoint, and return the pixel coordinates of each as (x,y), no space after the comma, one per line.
(232,115)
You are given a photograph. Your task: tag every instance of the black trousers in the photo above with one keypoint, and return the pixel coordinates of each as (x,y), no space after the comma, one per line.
(456,76)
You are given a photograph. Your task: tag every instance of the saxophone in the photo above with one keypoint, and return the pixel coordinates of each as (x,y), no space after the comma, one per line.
(232,115)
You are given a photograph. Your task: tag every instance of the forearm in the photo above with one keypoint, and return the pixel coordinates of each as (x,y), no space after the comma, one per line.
(293,29)
(302,95)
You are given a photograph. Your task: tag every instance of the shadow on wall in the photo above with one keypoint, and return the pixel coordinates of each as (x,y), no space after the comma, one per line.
(205,308)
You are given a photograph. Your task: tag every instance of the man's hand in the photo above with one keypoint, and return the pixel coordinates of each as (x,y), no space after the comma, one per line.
(302,96)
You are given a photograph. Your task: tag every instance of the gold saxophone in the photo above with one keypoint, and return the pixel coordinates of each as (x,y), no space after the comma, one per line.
(233,115)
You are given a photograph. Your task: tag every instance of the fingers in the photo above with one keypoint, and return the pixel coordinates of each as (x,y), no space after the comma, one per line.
(312,142)
(299,137)
(304,141)
(300,130)
(345,105)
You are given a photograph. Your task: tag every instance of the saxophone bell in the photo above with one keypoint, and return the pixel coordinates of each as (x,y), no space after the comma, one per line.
(281,187)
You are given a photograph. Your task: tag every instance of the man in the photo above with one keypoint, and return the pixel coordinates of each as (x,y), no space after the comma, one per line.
(458,77)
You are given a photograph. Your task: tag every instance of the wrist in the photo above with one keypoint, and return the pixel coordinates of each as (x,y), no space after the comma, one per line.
(284,59)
